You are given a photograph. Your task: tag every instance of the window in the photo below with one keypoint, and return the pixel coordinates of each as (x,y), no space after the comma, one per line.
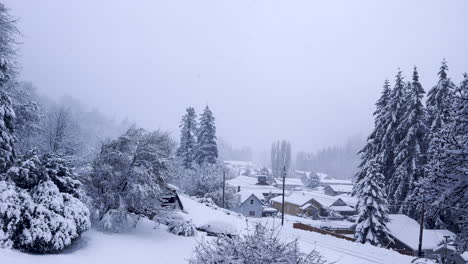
(251,201)
(251,213)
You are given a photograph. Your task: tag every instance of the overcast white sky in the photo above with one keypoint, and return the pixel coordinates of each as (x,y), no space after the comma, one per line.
(308,71)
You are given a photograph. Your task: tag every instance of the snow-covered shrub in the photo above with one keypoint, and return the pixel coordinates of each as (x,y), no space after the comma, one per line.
(260,247)
(182,228)
(118,221)
(12,202)
(176,222)
(38,208)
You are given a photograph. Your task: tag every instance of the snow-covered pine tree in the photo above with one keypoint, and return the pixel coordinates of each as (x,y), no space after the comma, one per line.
(29,115)
(393,135)
(374,146)
(188,130)
(438,105)
(439,100)
(7,116)
(206,149)
(8,31)
(372,207)
(452,174)
(311,180)
(410,151)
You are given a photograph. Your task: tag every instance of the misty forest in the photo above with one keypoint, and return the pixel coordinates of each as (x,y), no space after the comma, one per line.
(117,153)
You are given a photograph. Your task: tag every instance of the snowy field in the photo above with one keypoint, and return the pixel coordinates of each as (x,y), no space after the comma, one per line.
(147,244)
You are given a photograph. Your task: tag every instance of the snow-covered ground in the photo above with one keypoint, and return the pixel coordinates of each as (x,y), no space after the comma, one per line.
(147,244)
(144,245)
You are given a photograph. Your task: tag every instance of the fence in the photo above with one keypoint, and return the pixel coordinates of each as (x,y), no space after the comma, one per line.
(321,231)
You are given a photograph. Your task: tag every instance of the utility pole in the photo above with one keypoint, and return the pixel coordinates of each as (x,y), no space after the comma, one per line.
(282,204)
(421,227)
(445,249)
(224,185)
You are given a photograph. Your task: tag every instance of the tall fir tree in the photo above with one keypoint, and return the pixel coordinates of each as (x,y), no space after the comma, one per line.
(7,116)
(372,207)
(448,181)
(188,130)
(439,99)
(438,105)
(8,32)
(393,134)
(206,149)
(409,153)
(373,147)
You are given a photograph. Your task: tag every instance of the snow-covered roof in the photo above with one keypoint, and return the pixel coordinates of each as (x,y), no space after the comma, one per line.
(348,199)
(270,210)
(244,195)
(325,180)
(300,198)
(297,198)
(242,181)
(336,181)
(247,195)
(239,163)
(343,208)
(290,181)
(303,172)
(406,230)
(323,199)
(464,255)
(248,186)
(341,188)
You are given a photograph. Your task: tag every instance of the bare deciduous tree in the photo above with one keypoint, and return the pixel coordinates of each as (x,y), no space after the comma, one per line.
(60,133)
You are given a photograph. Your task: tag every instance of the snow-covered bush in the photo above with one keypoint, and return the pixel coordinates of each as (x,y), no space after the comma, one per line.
(118,221)
(260,247)
(182,227)
(128,178)
(39,208)
(12,202)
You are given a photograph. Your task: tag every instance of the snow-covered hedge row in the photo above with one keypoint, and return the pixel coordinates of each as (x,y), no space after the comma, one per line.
(40,207)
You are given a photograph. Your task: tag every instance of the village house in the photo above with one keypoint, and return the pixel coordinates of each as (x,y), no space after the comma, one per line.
(405,233)
(252,206)
(289,184)
(334,190)
(325,180)
(310,204)
(449,255)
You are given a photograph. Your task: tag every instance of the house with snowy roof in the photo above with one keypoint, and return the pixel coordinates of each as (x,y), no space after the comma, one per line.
(310,204)
(289,183)
(405,233)
(449,254)
(326,180)
(337,189)
(253,205)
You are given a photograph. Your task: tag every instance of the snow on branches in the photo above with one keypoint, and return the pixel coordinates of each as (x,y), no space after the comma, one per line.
(39,207)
